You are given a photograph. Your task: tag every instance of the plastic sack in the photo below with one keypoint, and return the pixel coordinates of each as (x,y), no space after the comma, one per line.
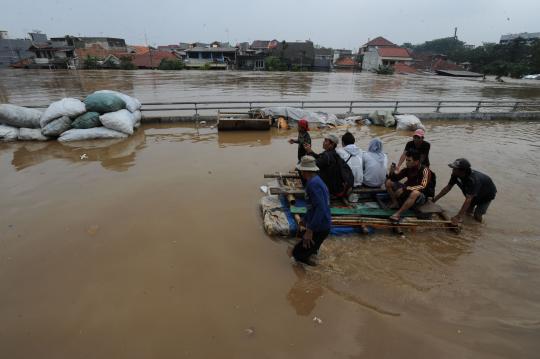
(275,221)
(137,116)
(18,116)
(31,134)
(8,133)
(70,107)
(408,122)
(56,127)
(90,134)
(104,102)
(132,104)
(119,121)
(88,120)
(382,118)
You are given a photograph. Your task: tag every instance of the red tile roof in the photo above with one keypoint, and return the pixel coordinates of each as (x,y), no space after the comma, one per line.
(98,51)
(346,61)
(140,49)
(393,52)
(379,41)
(402,68)
(151,60)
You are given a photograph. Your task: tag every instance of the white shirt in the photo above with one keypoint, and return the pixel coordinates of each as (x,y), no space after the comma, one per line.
(375,167)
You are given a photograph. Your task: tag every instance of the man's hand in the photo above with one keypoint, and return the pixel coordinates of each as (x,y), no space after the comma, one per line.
(307,241)
(307,147)
(456,220)
(291,141)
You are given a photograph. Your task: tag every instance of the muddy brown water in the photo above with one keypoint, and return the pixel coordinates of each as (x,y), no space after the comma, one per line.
(153,247)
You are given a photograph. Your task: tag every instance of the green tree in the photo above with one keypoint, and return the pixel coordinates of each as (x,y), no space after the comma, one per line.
(274,63)
(126,63)
(171,64)
(91,62)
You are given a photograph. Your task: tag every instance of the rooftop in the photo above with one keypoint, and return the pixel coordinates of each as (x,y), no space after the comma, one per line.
(393,52)
(379,41)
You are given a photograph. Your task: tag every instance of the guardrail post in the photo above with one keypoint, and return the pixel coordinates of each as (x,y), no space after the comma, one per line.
(302,104)
(196,109)
(514,109)
(250,106)
(396,107)
(350,107)
(478,106)
(438,109)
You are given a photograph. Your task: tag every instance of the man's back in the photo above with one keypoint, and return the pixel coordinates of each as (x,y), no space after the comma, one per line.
(318,216)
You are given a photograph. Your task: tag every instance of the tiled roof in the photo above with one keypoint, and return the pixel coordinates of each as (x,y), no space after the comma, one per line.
(393,52)
(346,61)
(380,41)
(153,61)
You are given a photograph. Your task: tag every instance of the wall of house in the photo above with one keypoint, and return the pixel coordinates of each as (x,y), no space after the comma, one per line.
(371,60)
(13,50)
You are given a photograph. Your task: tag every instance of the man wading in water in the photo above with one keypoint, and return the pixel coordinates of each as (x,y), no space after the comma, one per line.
(317,220)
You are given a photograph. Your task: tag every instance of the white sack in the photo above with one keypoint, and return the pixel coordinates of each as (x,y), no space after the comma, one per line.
(90,134)
(18,116)
(31,134)
(137,116)
(8,133)
(70,107)
(408,122)
(119,121)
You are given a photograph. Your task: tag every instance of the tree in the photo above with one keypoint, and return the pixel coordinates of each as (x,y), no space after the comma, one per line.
(126,63)
(91,62)
(171,64)
(274,63)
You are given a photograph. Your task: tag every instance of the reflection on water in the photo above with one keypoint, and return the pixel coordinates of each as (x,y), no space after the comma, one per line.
(304,293)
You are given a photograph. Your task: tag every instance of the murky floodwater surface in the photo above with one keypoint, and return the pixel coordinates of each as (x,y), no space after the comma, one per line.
(153,246)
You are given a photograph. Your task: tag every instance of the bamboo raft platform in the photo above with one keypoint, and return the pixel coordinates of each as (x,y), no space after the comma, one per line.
(369,211)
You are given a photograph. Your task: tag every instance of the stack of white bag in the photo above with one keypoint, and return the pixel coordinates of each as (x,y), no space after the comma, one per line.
(19,123)
(117,124)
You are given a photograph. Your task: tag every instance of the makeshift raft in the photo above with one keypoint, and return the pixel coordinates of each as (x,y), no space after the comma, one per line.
(285,203)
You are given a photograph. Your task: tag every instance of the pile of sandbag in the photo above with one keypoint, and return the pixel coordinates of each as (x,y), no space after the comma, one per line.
(408,123)
(103,114)
(382,118)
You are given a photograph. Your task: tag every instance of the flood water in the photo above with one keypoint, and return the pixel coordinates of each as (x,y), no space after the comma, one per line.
(153,247)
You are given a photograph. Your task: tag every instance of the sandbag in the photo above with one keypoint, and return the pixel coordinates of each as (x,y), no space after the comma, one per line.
(382,118)
(408,123)
(8,133)
(31,134)
(104,102)
(119,121)
(88,120)
(56,127)
(70,107)
(137,116)
(132,104)
(18,116)
(90,134)
(275,220)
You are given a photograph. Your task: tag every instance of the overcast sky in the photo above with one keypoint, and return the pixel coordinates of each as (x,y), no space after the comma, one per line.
(335,23)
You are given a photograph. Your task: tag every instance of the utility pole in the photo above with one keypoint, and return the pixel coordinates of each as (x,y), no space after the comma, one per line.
(455,33)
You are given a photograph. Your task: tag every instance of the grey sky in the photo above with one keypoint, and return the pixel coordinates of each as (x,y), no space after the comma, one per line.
(337,23)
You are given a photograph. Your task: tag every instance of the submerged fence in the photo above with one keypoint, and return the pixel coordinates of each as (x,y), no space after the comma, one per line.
(347,106)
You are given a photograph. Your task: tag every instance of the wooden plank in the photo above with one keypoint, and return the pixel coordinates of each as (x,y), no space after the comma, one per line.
(282,190)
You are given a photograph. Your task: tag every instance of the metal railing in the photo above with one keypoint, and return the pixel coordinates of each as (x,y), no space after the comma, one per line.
(348,105)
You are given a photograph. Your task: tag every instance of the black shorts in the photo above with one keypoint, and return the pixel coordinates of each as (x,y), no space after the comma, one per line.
(479,207)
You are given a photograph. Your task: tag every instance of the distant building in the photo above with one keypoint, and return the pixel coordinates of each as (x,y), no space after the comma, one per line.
(151,59)
(13,50)
(346,63)
(264,45)
(216,57)
(323,60)
(296,55)
(529,37)
(108,43)
(381,52)
(432,62)
(341,53)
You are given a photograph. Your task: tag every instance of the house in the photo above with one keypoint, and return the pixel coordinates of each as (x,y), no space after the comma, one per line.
(341,53)
(430,62)
(323,60)
(51,55)
(296,55)
(13,50)
(151,59)
(108,43)
(264,45)
(214,56)
(528,37)
(381,52)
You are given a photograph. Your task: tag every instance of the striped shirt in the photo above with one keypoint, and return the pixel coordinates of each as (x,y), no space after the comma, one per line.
(418,178)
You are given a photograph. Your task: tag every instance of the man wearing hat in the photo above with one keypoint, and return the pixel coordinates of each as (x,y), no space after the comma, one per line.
(478,189)
(328,164)
(317,220)
(419,145)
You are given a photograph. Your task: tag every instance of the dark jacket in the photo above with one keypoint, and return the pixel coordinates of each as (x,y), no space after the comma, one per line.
(329,171)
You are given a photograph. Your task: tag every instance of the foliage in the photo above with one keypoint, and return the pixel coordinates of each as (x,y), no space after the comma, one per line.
(385,70)
(126,63)
(274,63)
(171,64)
(91,62)
(516,58)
